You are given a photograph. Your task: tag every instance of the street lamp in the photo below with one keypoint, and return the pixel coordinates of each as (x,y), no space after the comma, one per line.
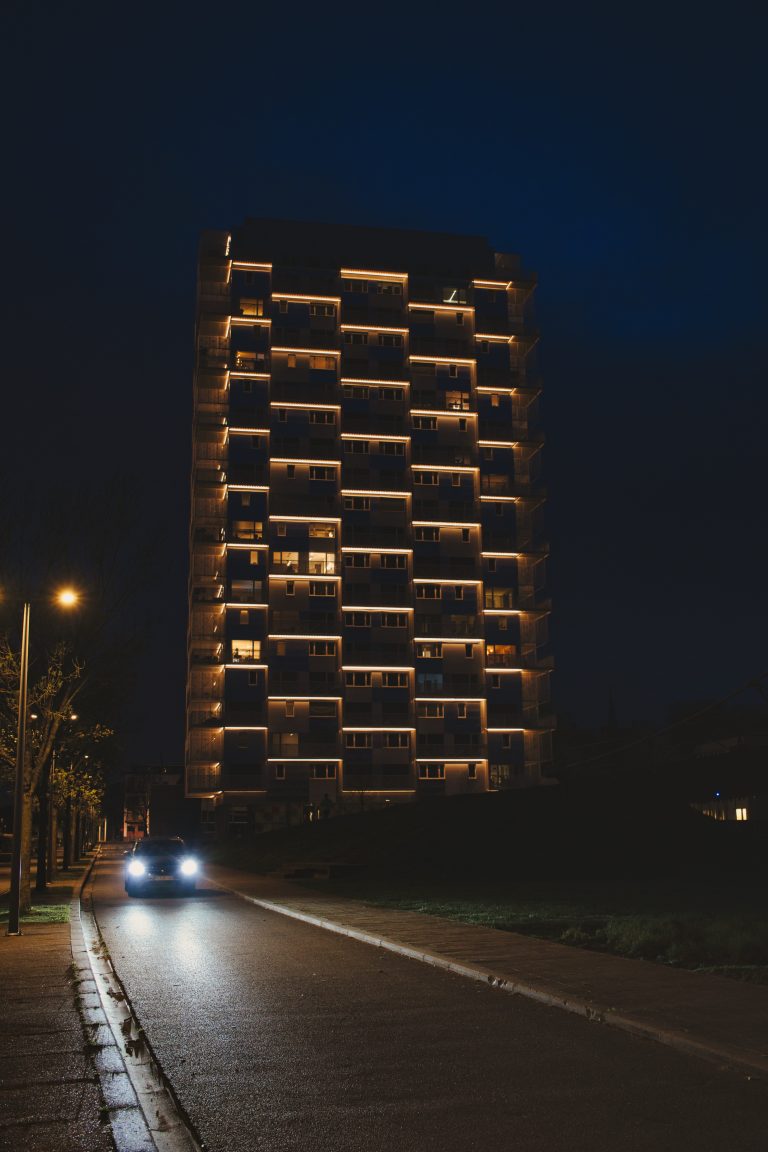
(67,598)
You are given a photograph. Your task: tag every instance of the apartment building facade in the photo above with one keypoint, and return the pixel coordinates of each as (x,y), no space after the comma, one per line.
(368,609)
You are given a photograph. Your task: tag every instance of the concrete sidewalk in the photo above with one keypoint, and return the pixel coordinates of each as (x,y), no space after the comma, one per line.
(49,1095)
(707,1016)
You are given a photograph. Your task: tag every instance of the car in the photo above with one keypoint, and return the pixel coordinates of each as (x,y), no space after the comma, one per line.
(160,861)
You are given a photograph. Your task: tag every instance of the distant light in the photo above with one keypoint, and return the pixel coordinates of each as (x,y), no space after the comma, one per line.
(717,794)
(67,597)
(189,867)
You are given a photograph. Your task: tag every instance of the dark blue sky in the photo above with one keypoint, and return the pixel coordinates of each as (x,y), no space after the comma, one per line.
(621,153)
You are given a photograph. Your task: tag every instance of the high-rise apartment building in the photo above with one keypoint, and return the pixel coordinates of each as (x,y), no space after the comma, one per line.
(368,612)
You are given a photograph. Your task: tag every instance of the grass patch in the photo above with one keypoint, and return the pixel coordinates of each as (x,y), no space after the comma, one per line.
(41,914)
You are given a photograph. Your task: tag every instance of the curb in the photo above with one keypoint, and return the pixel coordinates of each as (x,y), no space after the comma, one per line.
(715,1053)
(142,1108)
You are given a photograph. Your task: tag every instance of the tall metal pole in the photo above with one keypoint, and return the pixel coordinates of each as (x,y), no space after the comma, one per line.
(18,803)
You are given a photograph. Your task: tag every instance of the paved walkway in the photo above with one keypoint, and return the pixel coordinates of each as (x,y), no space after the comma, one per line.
(709,1016)
(49,1096)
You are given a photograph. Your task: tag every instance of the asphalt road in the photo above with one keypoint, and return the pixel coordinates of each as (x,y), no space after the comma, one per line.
(279,1036)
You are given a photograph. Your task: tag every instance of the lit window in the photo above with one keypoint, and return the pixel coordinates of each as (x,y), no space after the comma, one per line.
(245,651)
(251,307)
(494,401)
(326,531)
(290,707)
(324,363)
(244,616)
(291,359)
(741,814)
(429,651)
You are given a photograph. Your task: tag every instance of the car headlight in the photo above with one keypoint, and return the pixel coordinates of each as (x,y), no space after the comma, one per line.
(188,867)
(136,868)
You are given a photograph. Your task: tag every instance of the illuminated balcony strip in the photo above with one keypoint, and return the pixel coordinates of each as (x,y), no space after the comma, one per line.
(373,436)
(505,729)
(296,636)
(504,671)
(248,431)
(442,360)
(376,549)
(249,547)
(493,338)
(364,273)
(443,524)
(447,640)
(352,791)
(246,664)
(303,696)
(506,284)
(500,499)
(373,492)
(502,611)
(298,296)
(497,443)
(441,412)
(497,391)
(243,604)
(387,383)
(251,264)
(419,305)
(451,760)
(307,407)
(308,351)
(250,321)
(376,668)
(443,468)
(304,759)
(309,519)
(371,328)
(240,375)
(301,460)
(376,607)
(503,555)
(248,487)
(245,728)
(302,576)
(458,580)
(410,729)
(447,700)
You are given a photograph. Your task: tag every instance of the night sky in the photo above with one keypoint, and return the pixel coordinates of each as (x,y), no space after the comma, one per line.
(623,156)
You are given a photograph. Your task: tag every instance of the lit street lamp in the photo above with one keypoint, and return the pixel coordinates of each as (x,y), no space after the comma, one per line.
(67,598)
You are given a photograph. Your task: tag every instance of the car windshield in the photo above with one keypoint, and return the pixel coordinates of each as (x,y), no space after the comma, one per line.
(151,847)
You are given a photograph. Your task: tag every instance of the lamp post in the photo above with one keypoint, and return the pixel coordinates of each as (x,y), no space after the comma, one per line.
(67,598)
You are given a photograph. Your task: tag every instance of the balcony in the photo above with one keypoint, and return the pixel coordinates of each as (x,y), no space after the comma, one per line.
(445,454)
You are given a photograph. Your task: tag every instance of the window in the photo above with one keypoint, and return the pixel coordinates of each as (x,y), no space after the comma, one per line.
(499,775)
(358,503)
(495,681)
(322,588)
(391,448)
(357,619)
(426,533)
(291,361)
(290,708)
(506,740)
(283,305)
(502,623)
(280,648)
(322,707)
(459,317)
(426,710)
(244,651)
(397,739)
(358,740)
(465,535)
(469,651)
(290,588)
(392,394)
(357,391)
(356,447)
(247,386)
(279,771)
(357,679)
(461,711)
(324,531)
(457,401)
(456,479)
(472,771)
(355,337)
(429,681)
(322,563)
(254,679)
(245,530)
(321,472)
(425,478)
(394,620)
(431,771)
(357,560)
(494,400)
(390,340)
(288,561)
(430,651)
(454,295)
(426,423)
(487,453)
(499,598)
(741,814)
(453,370)
(282,415)
(322,416)
(322,647)
(254,557)
(244,616)
(245,499)
(462,424)
(392,560)
(324,363)
(290,471)
(428,592)
(316,309)
(458,592)
(324,772)
(251,307)
(389,288)
(492,564)
(394,679)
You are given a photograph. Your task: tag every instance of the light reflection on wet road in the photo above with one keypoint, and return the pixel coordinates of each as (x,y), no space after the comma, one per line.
(279,1036)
